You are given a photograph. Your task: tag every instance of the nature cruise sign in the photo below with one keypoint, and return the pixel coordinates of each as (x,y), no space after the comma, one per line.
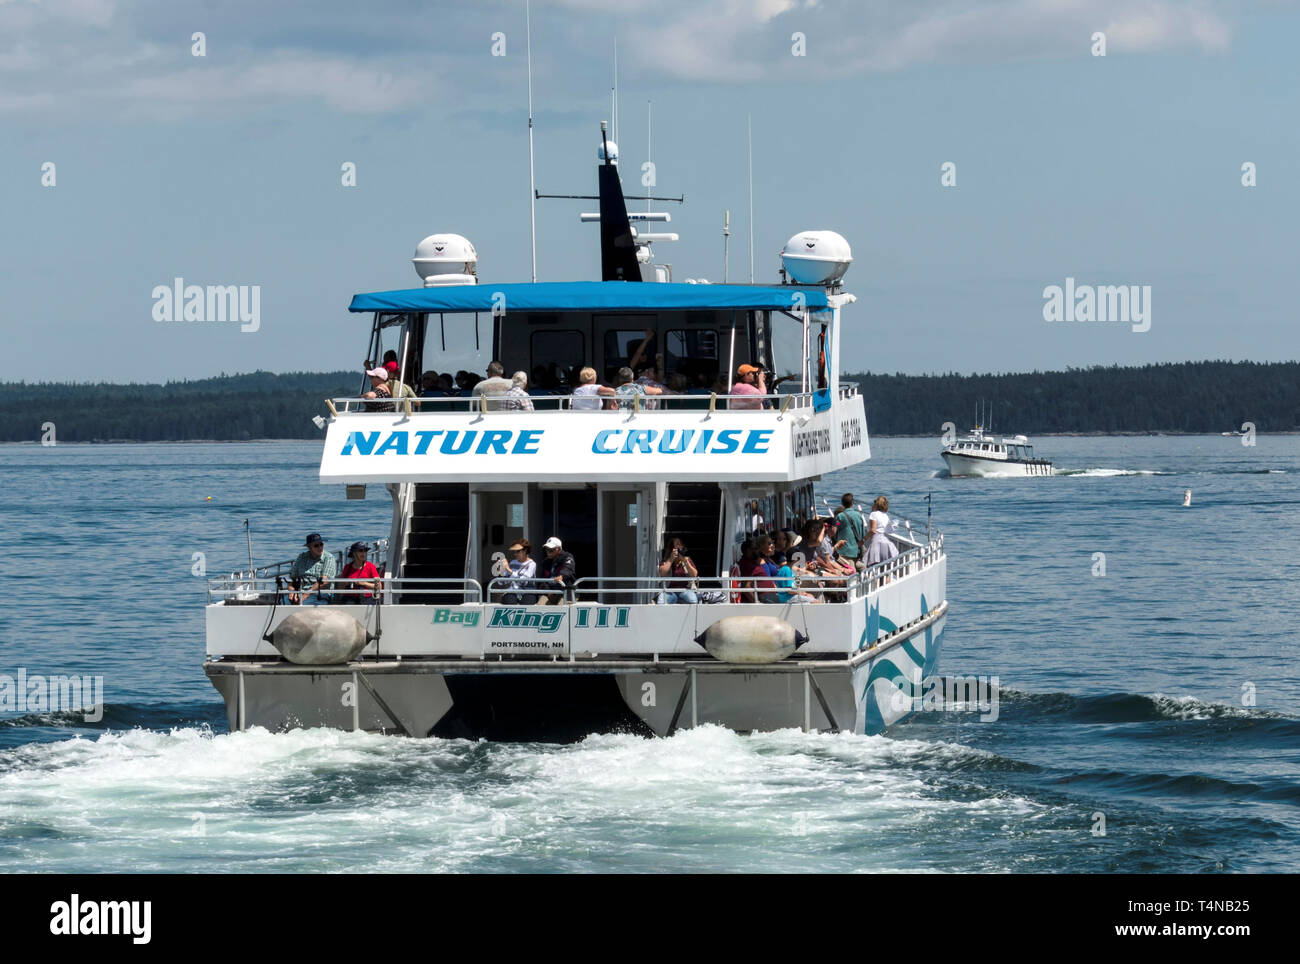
(608,446)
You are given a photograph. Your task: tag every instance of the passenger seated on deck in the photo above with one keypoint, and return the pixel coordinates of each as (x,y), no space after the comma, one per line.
(787,572)
(651,376)
(757,581)
(523,569)
(494,385)
(557,571)
(628,389)
(678,564)
(821,560)
(516,398)
(379,390)
(741,592)
(396,386)
(360,576)
(785,540)
(750,381)
(586,397)
(766,550)
(430,385)
(312,571)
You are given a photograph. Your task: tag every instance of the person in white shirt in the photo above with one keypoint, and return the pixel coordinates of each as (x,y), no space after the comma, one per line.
(586,397)
(879,547)
(524,571)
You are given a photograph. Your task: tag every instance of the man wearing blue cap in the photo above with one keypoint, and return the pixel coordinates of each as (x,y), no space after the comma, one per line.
(312,571)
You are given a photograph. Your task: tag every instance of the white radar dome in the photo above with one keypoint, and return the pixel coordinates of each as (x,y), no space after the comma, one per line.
(446,259)
(816,257)
(609,146)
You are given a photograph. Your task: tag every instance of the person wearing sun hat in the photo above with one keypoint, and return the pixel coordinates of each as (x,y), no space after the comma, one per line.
(750,381)
(523,570)
(379,389)
(312,571)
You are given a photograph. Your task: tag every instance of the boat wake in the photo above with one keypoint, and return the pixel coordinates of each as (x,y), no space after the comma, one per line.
(1019,706)
(155,801)
(160,799)
(1108,473)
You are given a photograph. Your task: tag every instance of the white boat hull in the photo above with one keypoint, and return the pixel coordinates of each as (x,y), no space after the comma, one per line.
(457,671)
(965,465)
(556,701)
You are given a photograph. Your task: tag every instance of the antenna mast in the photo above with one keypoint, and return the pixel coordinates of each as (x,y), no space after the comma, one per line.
(726,237)
(615,93)
(749,136)
(532,185)
(648,157)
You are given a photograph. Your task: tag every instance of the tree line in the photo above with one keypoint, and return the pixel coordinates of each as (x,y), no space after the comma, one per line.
(1193,397)
(1208,396)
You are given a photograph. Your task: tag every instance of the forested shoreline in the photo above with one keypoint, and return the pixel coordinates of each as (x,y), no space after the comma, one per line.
(1183,397)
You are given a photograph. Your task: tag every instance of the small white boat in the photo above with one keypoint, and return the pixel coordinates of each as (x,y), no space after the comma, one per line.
(986,456)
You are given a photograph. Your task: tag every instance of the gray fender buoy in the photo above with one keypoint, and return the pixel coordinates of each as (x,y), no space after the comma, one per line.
(751,639)
(319,637)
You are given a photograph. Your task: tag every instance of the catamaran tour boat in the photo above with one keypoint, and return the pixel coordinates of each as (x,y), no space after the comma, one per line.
(450,649)
(984,455)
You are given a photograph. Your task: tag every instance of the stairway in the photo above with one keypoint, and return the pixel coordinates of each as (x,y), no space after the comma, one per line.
(439,534)
(693,512)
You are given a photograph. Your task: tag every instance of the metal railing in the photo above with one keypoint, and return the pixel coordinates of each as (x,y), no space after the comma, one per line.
(905,563)
(276,591)
(243,589)
(780,402)
(378,555)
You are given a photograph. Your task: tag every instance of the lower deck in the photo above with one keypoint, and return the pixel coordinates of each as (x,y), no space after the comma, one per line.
(612,658)
(527,698)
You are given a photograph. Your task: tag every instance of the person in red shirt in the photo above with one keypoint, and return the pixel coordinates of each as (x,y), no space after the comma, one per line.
(360,575)
(757,585)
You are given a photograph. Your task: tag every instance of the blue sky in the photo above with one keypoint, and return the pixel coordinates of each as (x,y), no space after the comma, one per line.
(225,169)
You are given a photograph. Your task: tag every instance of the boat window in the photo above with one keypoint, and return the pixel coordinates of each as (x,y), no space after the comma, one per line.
(452,342)
(692,354)
(787,350)
(620,346)
(557,357)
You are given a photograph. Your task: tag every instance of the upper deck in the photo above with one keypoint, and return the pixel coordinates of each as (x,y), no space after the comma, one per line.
(694,336)
(682,438)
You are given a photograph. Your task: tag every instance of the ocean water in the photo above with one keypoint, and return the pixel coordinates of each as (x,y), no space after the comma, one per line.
(1157,702)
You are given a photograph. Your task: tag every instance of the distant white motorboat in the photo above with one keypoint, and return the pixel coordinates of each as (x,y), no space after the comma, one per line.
(982,455)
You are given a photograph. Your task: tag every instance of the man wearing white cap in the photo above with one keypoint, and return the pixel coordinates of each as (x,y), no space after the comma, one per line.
(558,569)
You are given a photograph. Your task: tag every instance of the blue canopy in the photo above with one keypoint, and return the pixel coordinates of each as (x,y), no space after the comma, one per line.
(592,296)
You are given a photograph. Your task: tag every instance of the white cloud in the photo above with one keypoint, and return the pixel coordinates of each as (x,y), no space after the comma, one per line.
(72,53)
